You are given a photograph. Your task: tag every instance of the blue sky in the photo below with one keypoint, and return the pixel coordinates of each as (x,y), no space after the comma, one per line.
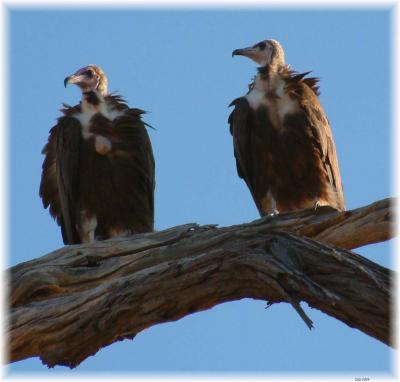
(177,65)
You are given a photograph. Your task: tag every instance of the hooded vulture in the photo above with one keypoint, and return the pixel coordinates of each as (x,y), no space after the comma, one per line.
(282,141)
(98,170)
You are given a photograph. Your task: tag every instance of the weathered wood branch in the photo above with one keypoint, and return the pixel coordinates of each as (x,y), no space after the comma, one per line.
(350,229)
(67,305)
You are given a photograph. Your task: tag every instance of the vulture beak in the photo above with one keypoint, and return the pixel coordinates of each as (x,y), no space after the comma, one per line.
(247,52)
(66,81)
(76,78)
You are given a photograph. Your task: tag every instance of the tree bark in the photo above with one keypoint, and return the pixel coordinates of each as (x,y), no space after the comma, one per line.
(67,305)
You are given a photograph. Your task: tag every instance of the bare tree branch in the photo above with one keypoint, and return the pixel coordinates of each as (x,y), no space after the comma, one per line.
(349,229)
(67,305)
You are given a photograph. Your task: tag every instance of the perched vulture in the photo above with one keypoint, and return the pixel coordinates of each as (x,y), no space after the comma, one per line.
(283,144)
(98,170)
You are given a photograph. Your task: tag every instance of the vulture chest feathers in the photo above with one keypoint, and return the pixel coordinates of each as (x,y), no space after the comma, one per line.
(98,171)
(283,144)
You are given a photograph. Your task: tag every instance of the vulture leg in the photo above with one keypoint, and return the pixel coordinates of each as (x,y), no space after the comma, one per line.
(88,225)
(269,205)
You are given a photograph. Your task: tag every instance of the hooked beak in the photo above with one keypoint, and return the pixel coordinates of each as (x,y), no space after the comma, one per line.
(247,52)
(66,81)
(73,79)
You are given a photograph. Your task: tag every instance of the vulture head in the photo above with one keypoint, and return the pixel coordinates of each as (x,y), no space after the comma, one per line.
(89,78)
(267,52)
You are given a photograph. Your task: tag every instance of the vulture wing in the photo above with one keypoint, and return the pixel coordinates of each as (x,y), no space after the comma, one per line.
(322,138)
(249,149)
(134,141)
(60,176)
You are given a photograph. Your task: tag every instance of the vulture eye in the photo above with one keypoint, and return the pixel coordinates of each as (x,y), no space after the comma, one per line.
(261,45)
(88,73)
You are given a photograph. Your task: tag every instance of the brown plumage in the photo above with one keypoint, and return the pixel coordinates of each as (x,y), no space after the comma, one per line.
(98,171)
(283,144)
